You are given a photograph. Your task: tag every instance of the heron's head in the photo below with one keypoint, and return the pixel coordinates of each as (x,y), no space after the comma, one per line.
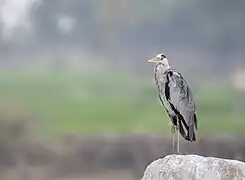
(160,58)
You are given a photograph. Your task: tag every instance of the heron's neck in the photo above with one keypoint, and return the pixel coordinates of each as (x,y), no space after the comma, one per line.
(167,67)
(162,68)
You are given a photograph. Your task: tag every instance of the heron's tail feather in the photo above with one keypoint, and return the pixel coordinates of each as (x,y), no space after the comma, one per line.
(182,131)
(191,134)
(195,120)
(191,129)
(187,131)
(183,127)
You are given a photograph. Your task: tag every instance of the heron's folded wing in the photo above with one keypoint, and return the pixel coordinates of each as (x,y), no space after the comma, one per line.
(180,96)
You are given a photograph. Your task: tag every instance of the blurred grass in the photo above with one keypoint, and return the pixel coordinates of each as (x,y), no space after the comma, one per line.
(108,102)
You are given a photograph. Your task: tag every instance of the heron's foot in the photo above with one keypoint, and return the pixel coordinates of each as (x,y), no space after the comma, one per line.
(173,151)
(176,151)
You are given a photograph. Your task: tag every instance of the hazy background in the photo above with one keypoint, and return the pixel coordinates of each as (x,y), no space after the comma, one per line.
(78,97)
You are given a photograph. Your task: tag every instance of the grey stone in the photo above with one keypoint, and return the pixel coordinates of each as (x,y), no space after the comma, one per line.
(194,167)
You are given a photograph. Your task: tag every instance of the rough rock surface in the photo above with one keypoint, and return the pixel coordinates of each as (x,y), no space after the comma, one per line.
(194,167)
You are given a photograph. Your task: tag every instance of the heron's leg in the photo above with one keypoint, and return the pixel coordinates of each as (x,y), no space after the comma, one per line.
(172,130)
(178,137)
(173,138)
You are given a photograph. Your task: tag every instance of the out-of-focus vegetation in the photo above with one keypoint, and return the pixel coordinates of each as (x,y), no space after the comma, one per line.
(110,102)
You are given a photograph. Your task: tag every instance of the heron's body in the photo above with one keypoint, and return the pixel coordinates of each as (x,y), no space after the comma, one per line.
(176,97)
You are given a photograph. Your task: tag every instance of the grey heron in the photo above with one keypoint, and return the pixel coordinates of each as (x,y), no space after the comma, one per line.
(176,96)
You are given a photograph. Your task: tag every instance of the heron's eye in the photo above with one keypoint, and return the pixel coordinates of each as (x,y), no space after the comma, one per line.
(163,56)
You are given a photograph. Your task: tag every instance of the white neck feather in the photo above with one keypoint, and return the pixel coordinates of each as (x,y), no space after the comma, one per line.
(166,64)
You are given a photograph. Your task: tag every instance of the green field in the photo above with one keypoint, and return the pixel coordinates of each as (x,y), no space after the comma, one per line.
(108,102)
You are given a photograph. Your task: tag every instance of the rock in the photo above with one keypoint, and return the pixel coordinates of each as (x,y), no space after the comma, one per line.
(194,167)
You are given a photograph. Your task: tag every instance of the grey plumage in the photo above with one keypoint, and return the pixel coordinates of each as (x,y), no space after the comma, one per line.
(176,97)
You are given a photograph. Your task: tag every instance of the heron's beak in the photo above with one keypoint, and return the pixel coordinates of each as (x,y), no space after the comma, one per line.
(153,60)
